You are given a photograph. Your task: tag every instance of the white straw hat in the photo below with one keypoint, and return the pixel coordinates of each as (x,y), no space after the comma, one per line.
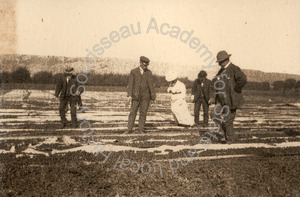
(171,76)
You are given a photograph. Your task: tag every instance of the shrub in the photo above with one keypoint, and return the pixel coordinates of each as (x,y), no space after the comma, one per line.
(297,85)
(160,81)
(278,85)
(20,75)
(265,86)
(290,84)
(42,77)
(4,77)
(56,78)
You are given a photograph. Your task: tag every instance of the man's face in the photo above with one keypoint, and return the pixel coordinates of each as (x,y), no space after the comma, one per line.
(172,83)
(202,79)
(144,65)
(69,76)
(223,63)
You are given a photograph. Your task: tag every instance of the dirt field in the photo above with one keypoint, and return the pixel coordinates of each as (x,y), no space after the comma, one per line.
(41,159)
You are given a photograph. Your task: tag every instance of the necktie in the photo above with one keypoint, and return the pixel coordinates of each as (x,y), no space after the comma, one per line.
(221,70)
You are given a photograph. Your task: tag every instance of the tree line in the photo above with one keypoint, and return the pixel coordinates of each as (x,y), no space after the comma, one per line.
(22,75)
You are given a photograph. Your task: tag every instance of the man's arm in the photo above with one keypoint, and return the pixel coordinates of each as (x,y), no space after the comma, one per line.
(240,80)
(80,88)
(211,92)
(194,87)
(214,91)
(58,88)
(151,86)
(130,84)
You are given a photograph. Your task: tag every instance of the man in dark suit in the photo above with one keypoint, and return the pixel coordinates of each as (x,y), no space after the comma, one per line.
(140,92)
(68,92)
(202,93)
(228,86)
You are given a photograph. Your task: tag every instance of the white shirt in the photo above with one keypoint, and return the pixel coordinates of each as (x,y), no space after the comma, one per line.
(141,70)
(227,65)
(178,91)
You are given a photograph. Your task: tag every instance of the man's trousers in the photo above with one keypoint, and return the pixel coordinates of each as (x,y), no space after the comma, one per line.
(224,118)
(143,105)
(62,109)
(197,107)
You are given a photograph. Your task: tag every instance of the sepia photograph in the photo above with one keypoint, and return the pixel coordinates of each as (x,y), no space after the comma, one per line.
(140,98)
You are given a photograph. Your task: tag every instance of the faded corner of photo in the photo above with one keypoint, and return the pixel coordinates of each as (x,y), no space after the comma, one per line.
(8,38)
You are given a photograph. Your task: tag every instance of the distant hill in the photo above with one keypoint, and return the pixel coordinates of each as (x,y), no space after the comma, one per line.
(259,76)
(56,64)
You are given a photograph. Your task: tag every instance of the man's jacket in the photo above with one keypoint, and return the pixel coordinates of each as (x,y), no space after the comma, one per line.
(141,86)
(207,89)
(64,89)
(230,92)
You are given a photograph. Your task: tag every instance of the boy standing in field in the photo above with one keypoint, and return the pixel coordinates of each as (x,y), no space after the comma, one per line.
(202,93)
(67,91)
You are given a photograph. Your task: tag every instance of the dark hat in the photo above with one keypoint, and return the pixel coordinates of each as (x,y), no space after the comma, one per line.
(69,70)
(222,55)
(202,74)
(144,59)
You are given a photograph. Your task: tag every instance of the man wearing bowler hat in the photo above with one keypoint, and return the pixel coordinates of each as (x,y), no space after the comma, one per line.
(140,92)
(68,92)
(202,93)
(228,86)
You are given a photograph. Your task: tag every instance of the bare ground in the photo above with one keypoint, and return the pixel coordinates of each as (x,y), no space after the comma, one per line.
(40,159)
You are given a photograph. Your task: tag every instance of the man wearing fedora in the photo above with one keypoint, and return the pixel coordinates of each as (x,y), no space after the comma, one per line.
(140,92)
(228,86)
(202,93)
(68,92)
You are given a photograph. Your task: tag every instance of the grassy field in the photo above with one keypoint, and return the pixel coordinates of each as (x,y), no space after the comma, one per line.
(40,159)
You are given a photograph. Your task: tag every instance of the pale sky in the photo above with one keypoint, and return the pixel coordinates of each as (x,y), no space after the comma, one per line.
(260,35)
